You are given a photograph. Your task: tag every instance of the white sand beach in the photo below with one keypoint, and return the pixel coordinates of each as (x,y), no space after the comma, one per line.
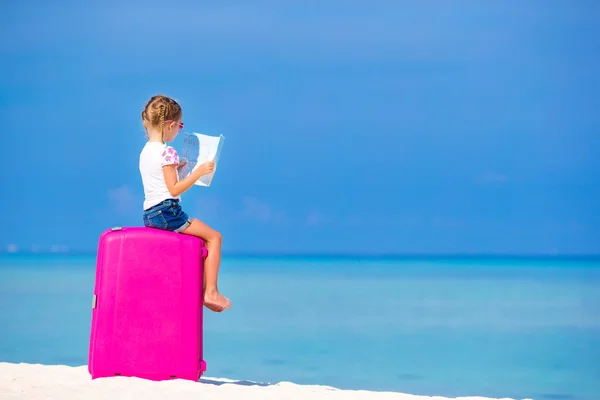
(50,382)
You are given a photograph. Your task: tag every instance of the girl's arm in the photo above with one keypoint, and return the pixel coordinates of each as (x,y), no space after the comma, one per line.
(178,187)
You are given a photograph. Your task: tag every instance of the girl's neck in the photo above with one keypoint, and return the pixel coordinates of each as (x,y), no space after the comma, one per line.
(155,136)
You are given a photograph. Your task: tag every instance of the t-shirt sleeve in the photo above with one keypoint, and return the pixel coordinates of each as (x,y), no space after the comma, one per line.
(169,157)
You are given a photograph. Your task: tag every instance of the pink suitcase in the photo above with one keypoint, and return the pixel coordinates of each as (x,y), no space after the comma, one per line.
(147,305)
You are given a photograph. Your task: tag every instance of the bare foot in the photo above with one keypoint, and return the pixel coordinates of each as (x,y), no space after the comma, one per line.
(213,307)
(215,301)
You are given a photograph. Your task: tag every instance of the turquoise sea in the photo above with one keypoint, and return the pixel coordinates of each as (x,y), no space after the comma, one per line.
(454,326)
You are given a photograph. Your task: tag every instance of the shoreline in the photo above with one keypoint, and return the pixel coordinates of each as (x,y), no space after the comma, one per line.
(38,381)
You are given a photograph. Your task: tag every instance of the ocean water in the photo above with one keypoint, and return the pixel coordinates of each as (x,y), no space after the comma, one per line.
(497,327)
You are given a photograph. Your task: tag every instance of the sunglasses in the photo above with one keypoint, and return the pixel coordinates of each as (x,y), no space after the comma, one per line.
(179,123)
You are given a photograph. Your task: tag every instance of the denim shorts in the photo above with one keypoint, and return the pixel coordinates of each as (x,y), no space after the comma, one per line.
(167,215)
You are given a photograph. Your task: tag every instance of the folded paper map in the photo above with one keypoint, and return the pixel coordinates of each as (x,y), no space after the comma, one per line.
(199,148)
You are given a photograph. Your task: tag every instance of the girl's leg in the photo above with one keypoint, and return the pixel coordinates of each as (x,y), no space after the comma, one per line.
(212,298)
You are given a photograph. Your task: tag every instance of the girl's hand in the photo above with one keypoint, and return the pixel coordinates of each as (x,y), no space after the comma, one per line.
(178,187)
(206,168)
(182,163)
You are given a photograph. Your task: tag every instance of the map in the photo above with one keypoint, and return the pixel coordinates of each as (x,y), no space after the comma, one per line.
(199,148)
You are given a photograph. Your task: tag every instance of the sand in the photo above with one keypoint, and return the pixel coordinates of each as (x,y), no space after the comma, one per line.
(49,382)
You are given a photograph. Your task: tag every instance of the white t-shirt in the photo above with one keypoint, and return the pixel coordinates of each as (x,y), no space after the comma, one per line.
(153,158)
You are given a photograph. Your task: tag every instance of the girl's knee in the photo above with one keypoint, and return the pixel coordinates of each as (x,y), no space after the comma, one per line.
(216,238)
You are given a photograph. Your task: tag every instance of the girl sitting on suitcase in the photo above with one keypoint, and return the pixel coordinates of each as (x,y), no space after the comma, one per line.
(162,189)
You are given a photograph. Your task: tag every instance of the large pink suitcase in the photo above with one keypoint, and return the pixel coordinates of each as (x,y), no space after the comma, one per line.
(147,305)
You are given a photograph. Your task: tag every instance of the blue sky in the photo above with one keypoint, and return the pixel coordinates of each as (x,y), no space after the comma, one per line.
(361,127)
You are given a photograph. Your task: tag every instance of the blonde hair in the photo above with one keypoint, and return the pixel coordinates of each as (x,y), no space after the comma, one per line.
(159,109)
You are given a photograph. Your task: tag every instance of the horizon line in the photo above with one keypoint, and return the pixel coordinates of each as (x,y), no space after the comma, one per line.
(349,255)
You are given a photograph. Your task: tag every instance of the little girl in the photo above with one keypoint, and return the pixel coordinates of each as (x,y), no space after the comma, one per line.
(162,189)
